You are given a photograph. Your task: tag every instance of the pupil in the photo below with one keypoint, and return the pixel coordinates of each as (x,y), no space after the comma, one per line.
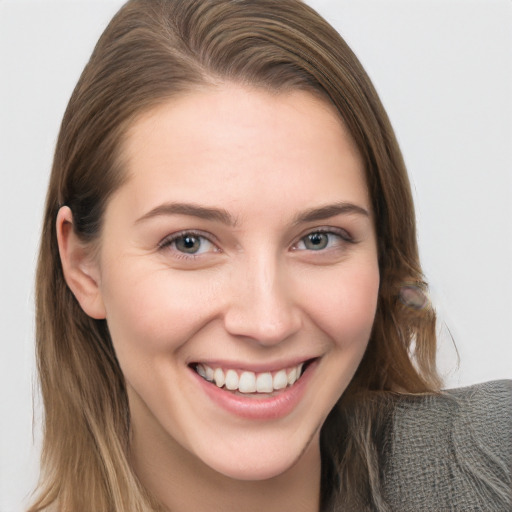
(317,240)
(188,244)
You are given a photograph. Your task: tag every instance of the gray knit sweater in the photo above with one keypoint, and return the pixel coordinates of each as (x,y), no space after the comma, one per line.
(451,452)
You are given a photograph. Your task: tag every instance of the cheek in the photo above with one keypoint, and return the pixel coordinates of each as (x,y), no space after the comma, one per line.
(343,303)
(156,311)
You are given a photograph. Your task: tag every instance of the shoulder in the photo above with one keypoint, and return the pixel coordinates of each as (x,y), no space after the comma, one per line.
(450,451)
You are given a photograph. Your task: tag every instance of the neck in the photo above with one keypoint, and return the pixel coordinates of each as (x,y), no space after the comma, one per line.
(182,482)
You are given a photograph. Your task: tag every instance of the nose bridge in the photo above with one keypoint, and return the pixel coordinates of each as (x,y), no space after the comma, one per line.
(262,307)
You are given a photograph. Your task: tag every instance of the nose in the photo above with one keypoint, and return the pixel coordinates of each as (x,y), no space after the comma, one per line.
(261,305)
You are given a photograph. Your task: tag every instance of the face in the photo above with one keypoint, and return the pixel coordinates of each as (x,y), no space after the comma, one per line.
(239,277)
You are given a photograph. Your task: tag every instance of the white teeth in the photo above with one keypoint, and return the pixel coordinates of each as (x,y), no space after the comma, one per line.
(209,373)
(264,383)
(292,376)
(218,377)
(201,370)
(280,380)
(250,382)
(232,380)
(247,383)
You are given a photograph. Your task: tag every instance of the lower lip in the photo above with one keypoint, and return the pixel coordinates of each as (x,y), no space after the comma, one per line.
(280,404)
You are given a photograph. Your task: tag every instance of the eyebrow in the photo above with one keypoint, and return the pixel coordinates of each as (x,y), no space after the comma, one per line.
(223,216)
(328,211)
(192,210)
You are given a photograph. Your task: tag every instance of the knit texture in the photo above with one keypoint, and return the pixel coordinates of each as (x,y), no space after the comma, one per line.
(451,452)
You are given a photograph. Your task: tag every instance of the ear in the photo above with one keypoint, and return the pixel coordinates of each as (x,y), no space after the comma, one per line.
(81,271)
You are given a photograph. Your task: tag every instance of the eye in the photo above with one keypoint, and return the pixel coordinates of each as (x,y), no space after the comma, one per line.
(316,241)
(321,240)
(188,243)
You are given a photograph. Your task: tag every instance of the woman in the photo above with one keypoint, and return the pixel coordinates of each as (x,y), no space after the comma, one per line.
(229,296)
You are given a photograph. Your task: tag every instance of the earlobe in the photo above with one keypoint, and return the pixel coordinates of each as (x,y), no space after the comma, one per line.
(80,270)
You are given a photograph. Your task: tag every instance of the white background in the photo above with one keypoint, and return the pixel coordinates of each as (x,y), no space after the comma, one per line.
(444,72)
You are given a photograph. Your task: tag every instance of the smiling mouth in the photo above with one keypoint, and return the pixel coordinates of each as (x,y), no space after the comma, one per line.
(247,382)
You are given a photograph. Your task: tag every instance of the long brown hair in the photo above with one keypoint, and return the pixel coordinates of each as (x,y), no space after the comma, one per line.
(153,50)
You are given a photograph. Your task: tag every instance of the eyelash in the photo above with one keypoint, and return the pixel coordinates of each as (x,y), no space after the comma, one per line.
(172,239)
(168,241)
(339,233)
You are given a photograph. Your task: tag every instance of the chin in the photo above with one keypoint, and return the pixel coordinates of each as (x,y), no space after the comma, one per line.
(259,470)
(265,459)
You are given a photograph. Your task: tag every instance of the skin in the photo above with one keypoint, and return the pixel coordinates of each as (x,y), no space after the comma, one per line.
(255,293)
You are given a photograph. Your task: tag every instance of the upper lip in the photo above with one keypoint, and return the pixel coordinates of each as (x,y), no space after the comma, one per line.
(254,367)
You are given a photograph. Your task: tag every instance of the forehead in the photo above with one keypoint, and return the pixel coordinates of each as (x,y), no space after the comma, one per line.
(231,142)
